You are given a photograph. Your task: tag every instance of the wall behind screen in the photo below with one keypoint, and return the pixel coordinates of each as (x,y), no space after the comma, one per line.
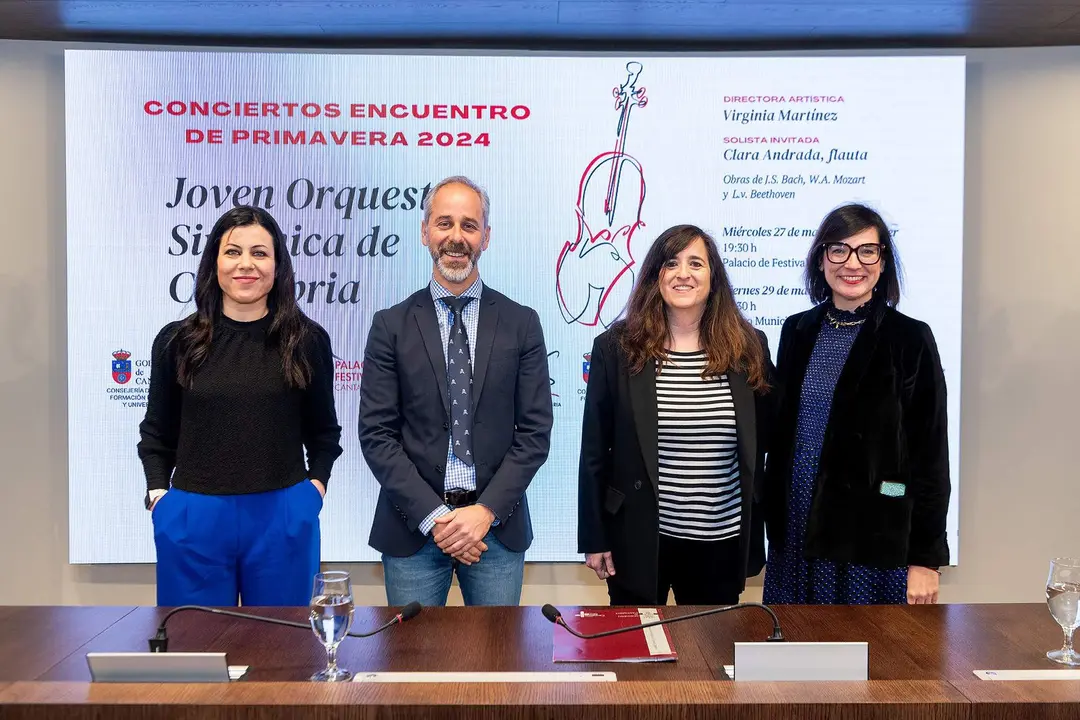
(1018,391)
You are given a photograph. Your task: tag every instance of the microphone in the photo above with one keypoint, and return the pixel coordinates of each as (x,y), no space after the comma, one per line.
(554,616)
(160,642)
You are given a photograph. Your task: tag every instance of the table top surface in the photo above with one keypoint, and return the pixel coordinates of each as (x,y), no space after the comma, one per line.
(917,653)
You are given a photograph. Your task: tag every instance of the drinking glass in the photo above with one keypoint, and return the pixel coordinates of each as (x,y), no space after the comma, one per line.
(331,618)
(1062,597)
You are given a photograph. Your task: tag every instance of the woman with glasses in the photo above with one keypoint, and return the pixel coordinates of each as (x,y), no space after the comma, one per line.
(857,484)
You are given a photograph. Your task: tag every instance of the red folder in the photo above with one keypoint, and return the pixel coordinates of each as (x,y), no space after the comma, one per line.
(648,645)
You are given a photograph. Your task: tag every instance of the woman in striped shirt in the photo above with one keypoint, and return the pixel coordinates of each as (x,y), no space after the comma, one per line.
(676,416)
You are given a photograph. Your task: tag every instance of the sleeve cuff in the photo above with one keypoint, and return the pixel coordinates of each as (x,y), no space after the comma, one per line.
(429,522)
(158,474)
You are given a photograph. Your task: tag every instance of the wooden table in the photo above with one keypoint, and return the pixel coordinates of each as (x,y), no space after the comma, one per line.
(921,663)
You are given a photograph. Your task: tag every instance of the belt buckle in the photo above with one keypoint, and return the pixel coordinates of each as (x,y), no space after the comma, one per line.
(456,498)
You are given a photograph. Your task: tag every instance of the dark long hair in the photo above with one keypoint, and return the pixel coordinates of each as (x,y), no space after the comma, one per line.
(839,225)
(288,328)
(730,342)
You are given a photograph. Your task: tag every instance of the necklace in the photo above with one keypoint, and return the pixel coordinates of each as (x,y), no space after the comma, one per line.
(837,324)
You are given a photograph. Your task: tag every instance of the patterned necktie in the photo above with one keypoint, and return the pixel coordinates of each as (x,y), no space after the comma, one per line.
(459,374)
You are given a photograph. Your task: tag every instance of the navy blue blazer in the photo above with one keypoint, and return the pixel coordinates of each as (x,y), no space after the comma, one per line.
(405,417)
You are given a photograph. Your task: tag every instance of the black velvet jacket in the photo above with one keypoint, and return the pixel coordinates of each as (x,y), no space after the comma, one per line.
(887,424)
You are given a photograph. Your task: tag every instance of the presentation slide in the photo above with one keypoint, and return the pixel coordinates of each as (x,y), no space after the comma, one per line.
(586,160)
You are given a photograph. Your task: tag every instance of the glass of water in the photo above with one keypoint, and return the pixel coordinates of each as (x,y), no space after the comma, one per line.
(1062,597)
(331,618)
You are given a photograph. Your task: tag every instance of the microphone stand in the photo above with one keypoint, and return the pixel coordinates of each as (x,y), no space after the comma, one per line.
(160,641)
(555,616)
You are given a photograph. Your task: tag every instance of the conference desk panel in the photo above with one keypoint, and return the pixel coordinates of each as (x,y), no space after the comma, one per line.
(33,638)
(921,663)
(626,699)
(1050,700)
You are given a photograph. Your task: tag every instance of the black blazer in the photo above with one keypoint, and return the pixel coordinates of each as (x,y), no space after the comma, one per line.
(405,417)
(887,424)
(618,473)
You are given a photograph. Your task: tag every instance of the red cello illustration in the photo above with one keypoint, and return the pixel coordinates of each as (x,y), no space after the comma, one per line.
(594,275)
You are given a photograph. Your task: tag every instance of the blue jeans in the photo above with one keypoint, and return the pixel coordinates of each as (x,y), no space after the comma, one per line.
(258,549)
(425,576)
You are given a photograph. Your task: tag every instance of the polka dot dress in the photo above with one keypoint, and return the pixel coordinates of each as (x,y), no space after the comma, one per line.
(789,577)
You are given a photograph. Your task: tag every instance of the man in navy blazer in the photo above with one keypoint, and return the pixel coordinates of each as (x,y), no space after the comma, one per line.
(455,419)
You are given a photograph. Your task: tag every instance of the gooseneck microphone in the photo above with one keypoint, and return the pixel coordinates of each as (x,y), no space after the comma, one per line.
(160,641)
(553,615)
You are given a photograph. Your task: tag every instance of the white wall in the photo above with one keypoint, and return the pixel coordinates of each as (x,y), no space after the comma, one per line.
(1020,503)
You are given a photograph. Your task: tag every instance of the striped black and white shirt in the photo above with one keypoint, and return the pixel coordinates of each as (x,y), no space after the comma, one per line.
(699,459)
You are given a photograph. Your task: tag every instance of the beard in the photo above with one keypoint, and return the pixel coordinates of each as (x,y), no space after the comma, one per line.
(454,273)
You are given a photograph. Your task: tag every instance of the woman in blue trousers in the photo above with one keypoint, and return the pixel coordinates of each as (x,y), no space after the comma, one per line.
(238,391)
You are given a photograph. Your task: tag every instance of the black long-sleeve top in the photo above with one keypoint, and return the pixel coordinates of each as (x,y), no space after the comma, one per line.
(240,428)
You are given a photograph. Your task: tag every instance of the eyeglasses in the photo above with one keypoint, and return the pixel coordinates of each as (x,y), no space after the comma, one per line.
(838,253)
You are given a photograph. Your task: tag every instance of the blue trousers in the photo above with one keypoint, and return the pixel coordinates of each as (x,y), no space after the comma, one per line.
(425,576)
(256,549)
